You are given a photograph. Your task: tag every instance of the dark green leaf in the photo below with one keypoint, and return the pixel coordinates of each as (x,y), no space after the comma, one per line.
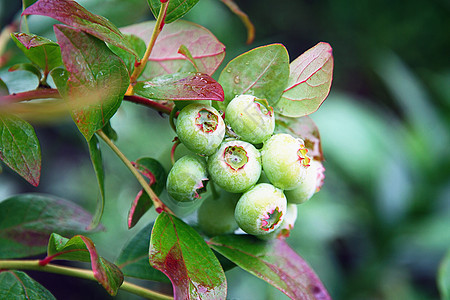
(179,251)
(26,67)
(274,262)
(110,132)
(41,51)
(133,259)
(181,86)
(98,79)
(18,285)
(96,158)
(304,128)
(3,88)
(137,44)
(176,9)
(19,148)
(154,171)
(139,207)
(26,222)
(74,15)
(444,277)
(309,82)
(60,77)
(207,52)
(262,72)
(81,248)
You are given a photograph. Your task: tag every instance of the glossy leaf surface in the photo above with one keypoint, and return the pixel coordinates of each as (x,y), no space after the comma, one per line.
(309,82)
(179,251)
(207,52)
(97,162)
(98,79)
(133,258)
(262,72)
(176,9)
(43,52)
(181,86)
(304,128)
(73,14)
(274,262)
(20,148)
(26,222)
(18,285)
(137,44)
(81,248)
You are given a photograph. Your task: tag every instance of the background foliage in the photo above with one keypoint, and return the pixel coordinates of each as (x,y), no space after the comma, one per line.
(379,228)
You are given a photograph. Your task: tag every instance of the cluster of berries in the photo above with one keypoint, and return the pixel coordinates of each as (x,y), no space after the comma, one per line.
(262,175)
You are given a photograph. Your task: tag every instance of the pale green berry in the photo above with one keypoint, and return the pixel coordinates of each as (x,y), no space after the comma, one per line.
(286,226)
(216,215)
(284,160)
(261,209)
(200,128)
(187,179)
(310,184)
(235,166)
(251,118)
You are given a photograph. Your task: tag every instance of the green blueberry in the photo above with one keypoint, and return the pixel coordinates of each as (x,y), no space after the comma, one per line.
(261,209)
(187,179)
(310,184)
(286,226)
(252,119)
(216,215)
(284,160)
(235,166)
(200,128)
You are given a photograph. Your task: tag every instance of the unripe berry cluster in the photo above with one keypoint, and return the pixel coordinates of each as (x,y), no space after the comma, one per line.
(233,152)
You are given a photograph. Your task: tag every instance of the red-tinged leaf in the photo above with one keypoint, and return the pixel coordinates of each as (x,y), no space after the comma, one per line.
(304,128)
(19,148)
(207,52)
(179,251)
(262,72)
(181,86)
(139,207)
(176,9)
(309,82)
(18,285)
(98,79)
(72,14)
(27,221)
(43,52)
(274,262)
(81,248)
(133,258)
(154,171)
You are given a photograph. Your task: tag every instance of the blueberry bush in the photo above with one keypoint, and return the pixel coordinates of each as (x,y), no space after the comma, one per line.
(251,154)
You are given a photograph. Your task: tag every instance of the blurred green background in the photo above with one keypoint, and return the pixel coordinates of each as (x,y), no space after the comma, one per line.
(380,226)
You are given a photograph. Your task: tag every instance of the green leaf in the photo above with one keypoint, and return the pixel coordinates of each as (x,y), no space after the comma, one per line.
(262,72)
(27,221)
(444,277)
(19,148)
(309,82)
(176,9)
(96,159)
(27,67)
(133,258)
(98,79)
(155,173)
(137,44)
(81,248)
(181,86)
(60,247)
(74,15)
(207,52)
(304,128)
(43,52)
(274,262)
(179,251)
(18,285)
(3,88)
